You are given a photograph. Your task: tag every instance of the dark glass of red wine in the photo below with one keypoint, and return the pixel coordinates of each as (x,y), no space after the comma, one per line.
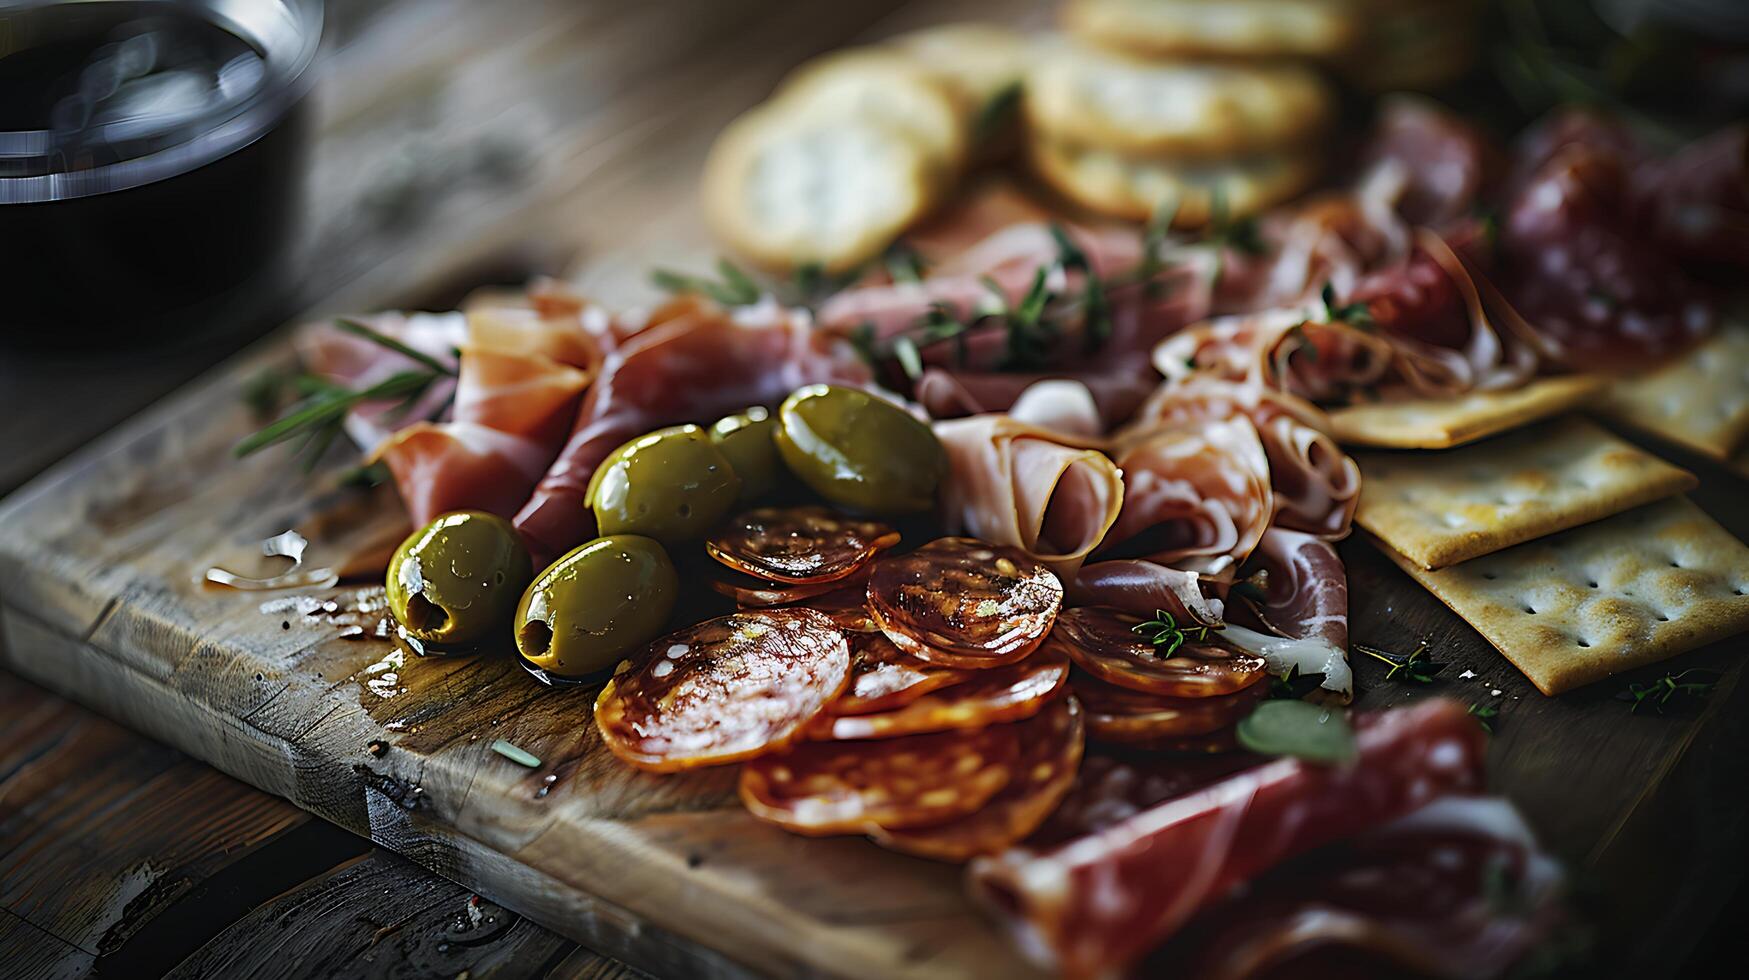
(151,158)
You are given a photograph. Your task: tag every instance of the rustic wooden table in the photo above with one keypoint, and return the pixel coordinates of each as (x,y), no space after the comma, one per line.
(464,144)
(453,137)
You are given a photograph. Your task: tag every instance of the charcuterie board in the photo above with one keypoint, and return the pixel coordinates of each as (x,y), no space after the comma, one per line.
(101,598)
(475,770)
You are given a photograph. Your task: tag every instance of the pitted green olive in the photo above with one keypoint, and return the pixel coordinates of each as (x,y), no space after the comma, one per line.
(597,603)
(858,451)
(671,485)
(457,579)
(746,439)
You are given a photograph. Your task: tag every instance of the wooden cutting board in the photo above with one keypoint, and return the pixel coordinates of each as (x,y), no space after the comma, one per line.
(101,598)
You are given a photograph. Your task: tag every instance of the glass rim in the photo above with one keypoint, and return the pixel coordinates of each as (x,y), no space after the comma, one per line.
(286,32)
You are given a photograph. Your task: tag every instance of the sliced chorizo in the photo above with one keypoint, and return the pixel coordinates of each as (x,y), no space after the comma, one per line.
(964,602)
(989,697)
(1119,648)
(725,690)
(799,545)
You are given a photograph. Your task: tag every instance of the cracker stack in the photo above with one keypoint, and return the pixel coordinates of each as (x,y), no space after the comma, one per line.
(1184,105)
(856,145)
(1570,550)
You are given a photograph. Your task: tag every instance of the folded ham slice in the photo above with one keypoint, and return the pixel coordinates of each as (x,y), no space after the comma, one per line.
(445,466)
(350,360)
(1457,889)
(1195,497)
(1039,490)
(1306,586)
(694,364)
(1096,904)
(1316,484)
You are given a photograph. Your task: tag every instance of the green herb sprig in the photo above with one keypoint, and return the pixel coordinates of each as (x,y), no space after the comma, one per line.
(319,415)
(1658,695)
(736,288)
(1164,632)
(1484,714)
(1354,314)
(1418,665)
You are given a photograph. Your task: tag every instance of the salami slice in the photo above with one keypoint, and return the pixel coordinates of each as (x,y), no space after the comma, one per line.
(821,788)
(964,602)
(848,607)
(883,677)
(993,696)
(799,545)
(724,690)
(760,594)
(1104,643)
(1119,714)
(1051,743)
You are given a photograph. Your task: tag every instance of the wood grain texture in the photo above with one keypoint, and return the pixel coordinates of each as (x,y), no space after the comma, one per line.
(99,560)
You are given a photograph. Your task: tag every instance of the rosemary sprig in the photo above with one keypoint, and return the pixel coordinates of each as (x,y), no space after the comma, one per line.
(1658,694)
(319,415)
(1354,314)
(736,288)
(1163,631)
(1419,666)
(1484,713)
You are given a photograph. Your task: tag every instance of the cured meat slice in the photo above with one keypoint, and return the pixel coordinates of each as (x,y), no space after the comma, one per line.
(846,606)
(1139,585)
(962,602)
(1458,888)
(1031,488)
(1104,642)
(990,697)
(703,363)
(883,677)
(1096,904)
(799,545)
(1306,587)
(1119,714)
(443,466)
(1316,484)
(1435,164)
(754,592)
(1051,743)
(1202,496)
(724,690)
(821,788)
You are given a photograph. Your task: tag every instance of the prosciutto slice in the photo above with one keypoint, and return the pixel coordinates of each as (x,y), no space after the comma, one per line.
(1200,494)
(1316,485)
(701,364)
(445,466)
(1457,889)
(1097,903)
(1030,487)
(1138,585)
(350,360)
(1306,587)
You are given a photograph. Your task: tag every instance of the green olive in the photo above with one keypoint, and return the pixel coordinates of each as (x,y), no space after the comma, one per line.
(746,439)
(456,579)
(600,601)
(671,485)
(858,451)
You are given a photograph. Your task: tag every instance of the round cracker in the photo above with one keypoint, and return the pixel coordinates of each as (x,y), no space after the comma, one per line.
(886,87)
(786,189)
(1219,28)
(1135,106)
(980,63)
(1133,187)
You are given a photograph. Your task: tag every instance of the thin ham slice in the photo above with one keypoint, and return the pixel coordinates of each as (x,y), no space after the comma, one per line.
(354,362)
(1096,904)
(1201,494)
(1306,594)
(440,467)
(695,366)
(1316,484)
(1039,490)
(1458,889)
(527,394)
(1138,585)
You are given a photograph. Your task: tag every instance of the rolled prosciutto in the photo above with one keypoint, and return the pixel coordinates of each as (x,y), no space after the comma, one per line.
(1096,904)
(1034,488)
